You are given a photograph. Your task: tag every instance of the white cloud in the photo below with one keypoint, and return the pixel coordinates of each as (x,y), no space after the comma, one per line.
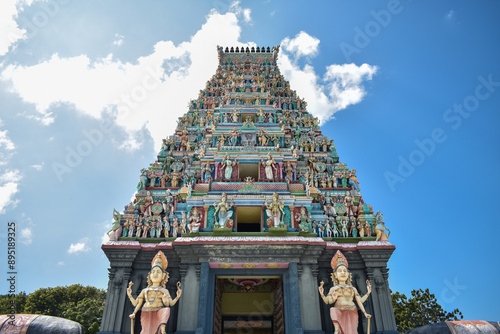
(79,247)
(118,40)
(9,186)
(169,77)
(10,32)
(340,87)
(60,263)
(9,179)
(26,236)
(246,15)
(302,44)
(38,166)
(132,92)
(245,12)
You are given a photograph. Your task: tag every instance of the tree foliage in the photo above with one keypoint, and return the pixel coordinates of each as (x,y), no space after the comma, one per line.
(83,304)
(419,310)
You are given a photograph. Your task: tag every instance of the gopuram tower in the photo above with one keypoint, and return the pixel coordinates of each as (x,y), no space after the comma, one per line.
(249,203)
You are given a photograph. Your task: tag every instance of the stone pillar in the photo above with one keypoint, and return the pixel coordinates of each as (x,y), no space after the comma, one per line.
(205,208)
(383,319)
(309,301)
(188,303)
(205,309)
(291,291)
(121,267)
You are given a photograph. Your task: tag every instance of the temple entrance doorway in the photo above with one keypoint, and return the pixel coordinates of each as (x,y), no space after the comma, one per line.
(249,305)
(248,218)
(248,170)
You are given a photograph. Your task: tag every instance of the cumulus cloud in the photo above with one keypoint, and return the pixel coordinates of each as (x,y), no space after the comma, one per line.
(10,32)
(341,86)
(9,186)
(154,90)
(9,178)
(26,236)
(132,93)
(302,44)
(79,247)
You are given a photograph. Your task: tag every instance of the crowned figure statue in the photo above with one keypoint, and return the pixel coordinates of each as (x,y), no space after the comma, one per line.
(155,298)
(344,297)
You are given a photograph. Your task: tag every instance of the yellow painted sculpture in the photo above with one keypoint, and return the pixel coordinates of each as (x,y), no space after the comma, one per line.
(275,210)
(155,297)
(344,313)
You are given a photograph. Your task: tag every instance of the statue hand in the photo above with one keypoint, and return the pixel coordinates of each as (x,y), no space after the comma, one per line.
(132,316)
(179,292)
(368,316)
(129,289)
(368,286)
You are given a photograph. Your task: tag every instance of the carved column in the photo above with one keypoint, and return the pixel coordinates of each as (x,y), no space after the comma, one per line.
(188,303)
(203,301)
(309,301)
(293,323)
(377,272)
(205,208)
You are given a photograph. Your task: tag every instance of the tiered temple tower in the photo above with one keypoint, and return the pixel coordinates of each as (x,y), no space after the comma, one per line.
(249,202)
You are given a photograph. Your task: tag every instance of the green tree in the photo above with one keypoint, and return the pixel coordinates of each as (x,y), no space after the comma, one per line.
(84,304)
(19,301)
(419,310)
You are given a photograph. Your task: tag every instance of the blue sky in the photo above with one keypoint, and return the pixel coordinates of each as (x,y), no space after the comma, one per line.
(409,91)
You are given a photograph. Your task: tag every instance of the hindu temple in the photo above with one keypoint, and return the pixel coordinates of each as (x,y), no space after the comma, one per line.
(249,205)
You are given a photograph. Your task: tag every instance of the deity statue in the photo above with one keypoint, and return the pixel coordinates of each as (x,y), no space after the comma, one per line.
(168,203)
(353,180)
(344,313)
(194,221)
(329,204)
(304,220)
(228,170)
(261,116)
(269,166)
(222,209)
(155,297)
(146,204)
(275,210)
(235,115)
(143,180)
(207,173)
(233,137)
(175,225)
(379,228)
(116,228)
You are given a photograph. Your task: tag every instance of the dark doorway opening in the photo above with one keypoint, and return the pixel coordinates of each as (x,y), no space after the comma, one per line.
(248,218)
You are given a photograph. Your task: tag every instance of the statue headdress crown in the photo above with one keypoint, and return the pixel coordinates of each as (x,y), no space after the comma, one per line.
(339,260)
(160,260)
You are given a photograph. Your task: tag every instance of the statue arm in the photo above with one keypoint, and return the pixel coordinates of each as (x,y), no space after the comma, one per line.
(369,288)
(138,304)
(360,303)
